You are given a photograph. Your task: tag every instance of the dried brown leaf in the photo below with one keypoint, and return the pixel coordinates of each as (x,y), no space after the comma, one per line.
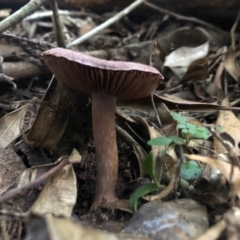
(52,117)
(11,166)
(10,126)
(231,126)
(224,167)
(232,63)
(197,70)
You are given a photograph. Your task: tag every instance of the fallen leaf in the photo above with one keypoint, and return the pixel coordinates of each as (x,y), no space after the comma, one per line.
(197,70)
(180,59)
(232,63)
(11,166)
(180,48)
(52,117)
(231,126)
(10,126)
(59,195)
(224,167)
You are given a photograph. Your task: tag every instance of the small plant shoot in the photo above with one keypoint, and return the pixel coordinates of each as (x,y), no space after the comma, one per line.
(140,192)
(189,131)
(189,171)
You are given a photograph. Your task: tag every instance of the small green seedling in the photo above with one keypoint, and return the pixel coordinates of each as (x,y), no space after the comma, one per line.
(140,192)
(147,188)
(190,170)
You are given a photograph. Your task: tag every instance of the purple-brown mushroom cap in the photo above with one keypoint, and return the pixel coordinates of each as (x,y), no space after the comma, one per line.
(87,74)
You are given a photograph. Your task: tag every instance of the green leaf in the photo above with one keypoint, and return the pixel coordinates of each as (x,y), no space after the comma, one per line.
(201,132)
(194,131)
(177,139)
(181,126)
(190,126)
(190,170)
(160,141)
(140,192)
(178,117)
(148,166)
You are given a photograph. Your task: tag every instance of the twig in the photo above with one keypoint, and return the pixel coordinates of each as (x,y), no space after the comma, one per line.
(19,15)
(57,25)
(20,191)
(184,18)
(233,30)
(106,24)
(40,14)
(11,214)
(156,112)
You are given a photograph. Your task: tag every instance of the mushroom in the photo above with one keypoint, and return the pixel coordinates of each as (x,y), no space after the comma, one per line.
(105,81)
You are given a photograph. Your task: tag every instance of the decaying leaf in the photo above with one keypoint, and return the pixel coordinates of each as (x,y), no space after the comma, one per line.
(52,117)
(197,70)
(10,126)
(232,62)
(59,192)
(224,167)
(180,59)
(11,166)
(180,48)
(59,195)
(231,126)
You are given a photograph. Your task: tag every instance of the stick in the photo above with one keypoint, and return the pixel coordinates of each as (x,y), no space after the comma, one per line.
(106,24)
(57,25)
(18,16)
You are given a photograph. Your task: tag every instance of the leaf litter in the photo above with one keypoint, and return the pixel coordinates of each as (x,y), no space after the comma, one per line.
(200,64)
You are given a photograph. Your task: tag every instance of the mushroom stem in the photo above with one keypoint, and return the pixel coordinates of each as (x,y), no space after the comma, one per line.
(104,133)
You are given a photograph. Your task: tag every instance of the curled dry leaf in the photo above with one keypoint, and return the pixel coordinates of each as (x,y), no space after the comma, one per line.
(224,167)
(52,117)
(232,62)
(180,48)
(180,59)
(231,126)
(197,69)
